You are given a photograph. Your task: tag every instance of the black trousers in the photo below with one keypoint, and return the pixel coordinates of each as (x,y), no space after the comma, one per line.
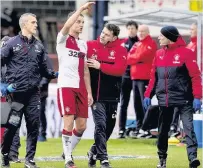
(165,118)
(31,111)
(150,120)
(139,87)
(43,119)
(175,119)
(104,115)
(15,144)
(126,87)
(42,129)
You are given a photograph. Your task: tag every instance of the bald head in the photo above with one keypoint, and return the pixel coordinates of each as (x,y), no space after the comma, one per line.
(143,31)
(193,30)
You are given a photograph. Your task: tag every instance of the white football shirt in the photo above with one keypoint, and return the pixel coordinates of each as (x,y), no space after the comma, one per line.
(71,58)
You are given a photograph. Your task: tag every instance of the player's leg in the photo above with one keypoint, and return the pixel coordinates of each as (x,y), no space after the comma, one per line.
(66,103)
(81,116)
(80,126)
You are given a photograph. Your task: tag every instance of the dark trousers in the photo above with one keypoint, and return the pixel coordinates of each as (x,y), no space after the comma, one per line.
(139,87)
(15,144)
(43,119)
(165,118)
(175,119)
(104,115)
(31,111)
(126,87)
(150,120)
(42,129)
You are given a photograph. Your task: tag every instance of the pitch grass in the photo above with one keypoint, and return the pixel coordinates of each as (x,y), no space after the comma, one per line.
(177,155)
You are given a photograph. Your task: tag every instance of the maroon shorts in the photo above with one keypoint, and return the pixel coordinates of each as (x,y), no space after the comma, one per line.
(73,101)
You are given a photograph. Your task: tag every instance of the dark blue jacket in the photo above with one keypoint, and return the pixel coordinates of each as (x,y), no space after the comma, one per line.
(26,62)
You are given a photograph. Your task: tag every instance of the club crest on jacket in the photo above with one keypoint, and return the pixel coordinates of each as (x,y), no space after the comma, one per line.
(176,59)
(112,55)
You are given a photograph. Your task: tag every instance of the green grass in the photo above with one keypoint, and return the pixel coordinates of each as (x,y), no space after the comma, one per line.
(177,157)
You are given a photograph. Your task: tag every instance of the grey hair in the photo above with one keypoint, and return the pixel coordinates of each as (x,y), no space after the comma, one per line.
(23,18)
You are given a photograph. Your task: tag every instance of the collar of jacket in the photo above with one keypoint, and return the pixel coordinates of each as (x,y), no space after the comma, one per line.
(110,44)
(178,43)
(147,38)
(194,39)
(133,38)
(25,39)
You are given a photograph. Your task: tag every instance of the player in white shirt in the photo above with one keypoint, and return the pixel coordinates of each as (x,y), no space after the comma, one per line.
(74,91)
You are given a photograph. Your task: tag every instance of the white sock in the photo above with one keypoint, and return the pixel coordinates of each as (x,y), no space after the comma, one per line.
(75,139)
(66,140)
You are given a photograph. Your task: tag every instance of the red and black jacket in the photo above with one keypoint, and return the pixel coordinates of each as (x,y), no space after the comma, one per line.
(175,76)
(105,82)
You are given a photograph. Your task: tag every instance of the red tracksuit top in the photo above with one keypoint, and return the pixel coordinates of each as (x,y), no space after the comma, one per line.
(141,57)
(105,82)
(193,46)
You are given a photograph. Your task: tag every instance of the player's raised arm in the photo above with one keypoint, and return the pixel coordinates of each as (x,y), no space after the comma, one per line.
(71,20)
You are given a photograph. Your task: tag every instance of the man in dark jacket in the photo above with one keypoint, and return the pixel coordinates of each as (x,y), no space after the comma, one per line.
(126,84)
(107,63)
(25,58)
(176,79)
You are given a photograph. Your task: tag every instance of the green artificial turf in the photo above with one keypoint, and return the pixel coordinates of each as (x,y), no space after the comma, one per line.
(144,152)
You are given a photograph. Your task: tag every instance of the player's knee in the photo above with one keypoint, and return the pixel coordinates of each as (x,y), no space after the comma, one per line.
(81,128)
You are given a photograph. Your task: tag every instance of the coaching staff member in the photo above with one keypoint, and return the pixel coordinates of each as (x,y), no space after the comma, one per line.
(176,79)
(25,58)
(107,63)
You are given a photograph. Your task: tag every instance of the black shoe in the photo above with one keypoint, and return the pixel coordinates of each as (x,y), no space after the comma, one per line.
(105,164)
(162,163)
(145,135)
(194,163)
(30,164)
(5,161)
(14,158)
(134,134)
(91,160)
(121,134)
(63,156)
(70,164)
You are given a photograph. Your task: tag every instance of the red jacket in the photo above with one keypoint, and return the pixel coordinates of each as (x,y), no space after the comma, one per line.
(105,82)
(193,45)
(140,58)
(175,76)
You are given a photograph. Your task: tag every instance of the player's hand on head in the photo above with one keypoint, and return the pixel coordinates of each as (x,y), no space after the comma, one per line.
(88,5)
(90,99)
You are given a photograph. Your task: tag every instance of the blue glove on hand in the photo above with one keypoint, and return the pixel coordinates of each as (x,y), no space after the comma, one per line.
(3,89)
(56,74)
(147,102)
(196,104)
(11,88)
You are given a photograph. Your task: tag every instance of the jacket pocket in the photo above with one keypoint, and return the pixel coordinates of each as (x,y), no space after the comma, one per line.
(180,85)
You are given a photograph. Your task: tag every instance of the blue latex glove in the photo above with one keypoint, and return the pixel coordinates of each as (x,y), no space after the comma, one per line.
(11,88)
(56,74)
(196,104)
(3,89)
(147,102)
